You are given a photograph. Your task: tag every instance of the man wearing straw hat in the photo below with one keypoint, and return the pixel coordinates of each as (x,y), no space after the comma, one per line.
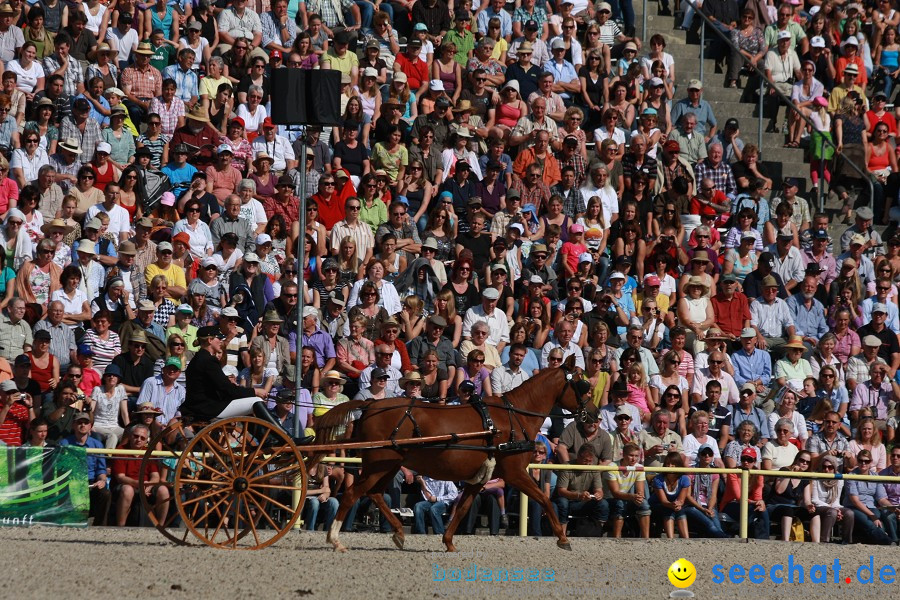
(141,82)
(199,134)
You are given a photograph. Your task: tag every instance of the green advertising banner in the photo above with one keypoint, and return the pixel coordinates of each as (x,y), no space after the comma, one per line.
(43,486)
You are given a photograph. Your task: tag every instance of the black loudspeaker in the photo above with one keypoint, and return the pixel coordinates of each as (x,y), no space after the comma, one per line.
(306,97)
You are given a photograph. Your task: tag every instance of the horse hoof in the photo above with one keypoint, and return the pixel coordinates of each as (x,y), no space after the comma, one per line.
(564,545)
(399,540)
(451,548)
(340,548)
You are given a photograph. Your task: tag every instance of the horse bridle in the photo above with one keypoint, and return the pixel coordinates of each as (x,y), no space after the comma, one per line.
(582,415)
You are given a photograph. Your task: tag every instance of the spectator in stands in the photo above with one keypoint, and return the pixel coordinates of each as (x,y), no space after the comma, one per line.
(125,475)
(15,333)
(759,516)
(658,439)
(700,108)
(628,491)
(437,498)
(96,467)
(580,493)
(868,501)
(830,442)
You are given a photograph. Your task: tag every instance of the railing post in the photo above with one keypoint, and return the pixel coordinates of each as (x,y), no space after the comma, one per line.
(745,500)
(759,122)
(523,514)
(702,46)
(644,21)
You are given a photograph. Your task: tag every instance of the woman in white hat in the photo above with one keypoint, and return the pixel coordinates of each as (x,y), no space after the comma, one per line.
(330,395)
(695,311)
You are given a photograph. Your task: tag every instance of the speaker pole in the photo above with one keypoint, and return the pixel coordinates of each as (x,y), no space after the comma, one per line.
(301,259)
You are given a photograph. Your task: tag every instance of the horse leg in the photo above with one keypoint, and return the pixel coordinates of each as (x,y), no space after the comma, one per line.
(527,486)
(361,486)
(376,493)
(396,525)
(462,509)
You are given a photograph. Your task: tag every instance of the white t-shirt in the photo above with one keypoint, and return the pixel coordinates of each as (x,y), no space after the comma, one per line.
(691,446)
(427,48)
(252,122)
(198,52)
(118,218)
(29,166)
(254,212)
(73,305)
(667,285)
(667,61)
(124,43)
(26,79)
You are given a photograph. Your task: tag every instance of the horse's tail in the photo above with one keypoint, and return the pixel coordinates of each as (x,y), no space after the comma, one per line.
(335,426)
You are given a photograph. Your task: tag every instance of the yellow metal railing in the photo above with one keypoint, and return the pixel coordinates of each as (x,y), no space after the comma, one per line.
(745,483)
(523,499)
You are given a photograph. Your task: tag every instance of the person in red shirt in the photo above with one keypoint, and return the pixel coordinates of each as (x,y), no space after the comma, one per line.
(284,203)
(331,207)
(15,414)
(125,473)
(415,69)
(731,308)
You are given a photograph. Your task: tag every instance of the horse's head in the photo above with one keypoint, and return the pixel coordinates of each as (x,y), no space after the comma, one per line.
(575,395)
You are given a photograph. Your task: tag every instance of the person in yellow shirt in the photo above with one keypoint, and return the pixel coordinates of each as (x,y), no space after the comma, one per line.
(173,273)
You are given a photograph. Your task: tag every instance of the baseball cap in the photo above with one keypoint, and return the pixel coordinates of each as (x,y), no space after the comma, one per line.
(749,452)
(748,332)
(84,350)
(879,307)
(864,212)
(817,42)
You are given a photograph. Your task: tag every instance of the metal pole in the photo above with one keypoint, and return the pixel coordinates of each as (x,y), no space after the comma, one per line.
(523,514)
(301,200)
(745,499)
(644,21)
(759,127)
(702,46)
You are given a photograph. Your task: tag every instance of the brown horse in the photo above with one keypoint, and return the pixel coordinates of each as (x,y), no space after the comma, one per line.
(517,416)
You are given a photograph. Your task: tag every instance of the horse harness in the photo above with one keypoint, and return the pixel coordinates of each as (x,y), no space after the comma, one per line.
(513,445)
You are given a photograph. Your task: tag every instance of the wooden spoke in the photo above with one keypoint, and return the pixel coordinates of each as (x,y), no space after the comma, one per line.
(269,499)
(262,511)
(271,474)
(225,509)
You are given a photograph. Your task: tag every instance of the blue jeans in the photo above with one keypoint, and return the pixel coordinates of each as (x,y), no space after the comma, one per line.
(366,10)
(435,511)
(535,517)
(889,520)
(329,509)
(623,10)
(598,510)
(758,520)
(864,529)
(622,509)
(708,526)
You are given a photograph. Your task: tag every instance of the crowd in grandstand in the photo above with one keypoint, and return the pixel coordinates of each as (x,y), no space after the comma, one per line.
(510,184)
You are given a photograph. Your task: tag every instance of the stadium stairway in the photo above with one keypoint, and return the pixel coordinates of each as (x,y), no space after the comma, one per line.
(726,102)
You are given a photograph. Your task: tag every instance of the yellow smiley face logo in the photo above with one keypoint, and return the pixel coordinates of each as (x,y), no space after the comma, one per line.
(682,573)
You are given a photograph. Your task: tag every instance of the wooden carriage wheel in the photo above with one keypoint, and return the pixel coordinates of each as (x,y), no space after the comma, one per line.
(159,507)
(231,476)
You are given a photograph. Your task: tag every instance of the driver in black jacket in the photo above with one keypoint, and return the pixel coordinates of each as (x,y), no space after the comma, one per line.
(210,395)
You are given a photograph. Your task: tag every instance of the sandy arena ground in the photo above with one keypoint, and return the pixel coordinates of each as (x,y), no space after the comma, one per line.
(43,562)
